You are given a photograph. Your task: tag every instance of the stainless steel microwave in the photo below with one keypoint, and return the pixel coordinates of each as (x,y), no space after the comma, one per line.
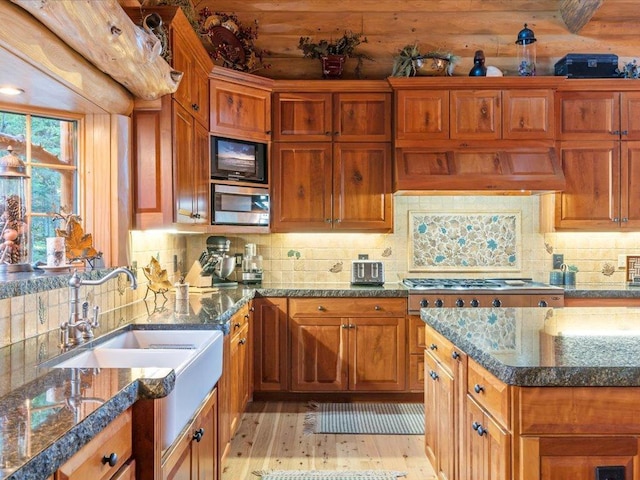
(239,205)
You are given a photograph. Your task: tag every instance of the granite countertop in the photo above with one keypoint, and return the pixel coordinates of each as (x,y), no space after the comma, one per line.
(568,347)
(39,430)
(601,290)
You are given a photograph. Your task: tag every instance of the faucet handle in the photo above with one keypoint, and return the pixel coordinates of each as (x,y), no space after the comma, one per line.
(85,310)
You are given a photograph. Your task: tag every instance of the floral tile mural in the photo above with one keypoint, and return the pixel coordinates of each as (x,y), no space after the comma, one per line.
(464,242)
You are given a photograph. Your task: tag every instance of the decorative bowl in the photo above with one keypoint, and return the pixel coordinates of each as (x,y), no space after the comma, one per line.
(432,66)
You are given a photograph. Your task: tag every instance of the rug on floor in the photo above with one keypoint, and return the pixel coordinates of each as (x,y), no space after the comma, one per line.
(328,475)
(365,418)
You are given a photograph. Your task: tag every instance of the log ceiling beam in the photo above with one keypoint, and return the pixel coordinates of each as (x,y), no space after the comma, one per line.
(103,34)
(577,13)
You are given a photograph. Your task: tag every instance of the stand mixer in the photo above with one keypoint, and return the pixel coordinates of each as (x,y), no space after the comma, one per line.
(214,265)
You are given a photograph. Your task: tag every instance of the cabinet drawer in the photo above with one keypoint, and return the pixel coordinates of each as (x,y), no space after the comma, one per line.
(443,350)
(239,319)
(342,307)
(489,392)
(417,342)
(88,462)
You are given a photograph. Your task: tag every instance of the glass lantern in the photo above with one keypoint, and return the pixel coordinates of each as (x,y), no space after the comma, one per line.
(14,229)
(526,49)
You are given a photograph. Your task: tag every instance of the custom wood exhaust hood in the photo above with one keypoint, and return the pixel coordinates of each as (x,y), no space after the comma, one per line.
(516,170)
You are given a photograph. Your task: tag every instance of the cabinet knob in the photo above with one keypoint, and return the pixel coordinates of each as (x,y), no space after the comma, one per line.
(475,302)
(475,426)
(344,326)
(439,303)
(615,220)
(195,215)
(625,219)
(321,308)
(247,316)
(110,459)
(433,346)
(268,132)
(615,132)
(336,133)
(424,303)
(242,341)
(251,309)
(195,106)
(455,355)
(236,325)
(377,307)
(328,134)
(198,434)
(459,302)
(327,220)
(543,303)
(481,430)
(478,388)
(496,302)
(433,375)
(624,132)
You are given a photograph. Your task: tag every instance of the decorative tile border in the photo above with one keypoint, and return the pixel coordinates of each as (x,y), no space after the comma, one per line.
(464,242)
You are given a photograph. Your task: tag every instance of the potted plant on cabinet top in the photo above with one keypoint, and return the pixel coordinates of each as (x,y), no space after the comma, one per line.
(334,53)
(410,62)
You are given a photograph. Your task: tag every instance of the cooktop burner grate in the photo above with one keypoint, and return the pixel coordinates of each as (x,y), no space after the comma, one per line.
(453,283)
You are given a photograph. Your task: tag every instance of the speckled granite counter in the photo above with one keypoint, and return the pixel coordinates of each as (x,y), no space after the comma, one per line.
(601,290)
(39,430)
(569,347)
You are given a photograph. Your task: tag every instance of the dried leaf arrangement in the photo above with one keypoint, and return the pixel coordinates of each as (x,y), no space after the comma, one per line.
(629,70)
(345,45)
(231,42)
(158,278)
(409,60)
(78,245)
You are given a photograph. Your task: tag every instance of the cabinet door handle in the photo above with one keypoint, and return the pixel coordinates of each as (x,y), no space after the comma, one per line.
(455,355)
(478,388)
(481,430)
(242,341)
(198,434)
(110,459)
(236,325)
(433,375)
(433,346)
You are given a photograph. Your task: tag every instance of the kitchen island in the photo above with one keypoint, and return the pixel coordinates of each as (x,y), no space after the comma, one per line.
(533,393)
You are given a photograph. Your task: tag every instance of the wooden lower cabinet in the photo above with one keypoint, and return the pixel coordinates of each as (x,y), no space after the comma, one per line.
(348,344)
(415,379)
(270,359)
(194,455)
(487,445)
(106,456)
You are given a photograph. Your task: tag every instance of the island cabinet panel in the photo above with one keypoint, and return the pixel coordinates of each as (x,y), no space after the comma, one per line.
(271,362)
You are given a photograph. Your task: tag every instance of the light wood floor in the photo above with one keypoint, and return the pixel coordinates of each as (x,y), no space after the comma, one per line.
(271,438)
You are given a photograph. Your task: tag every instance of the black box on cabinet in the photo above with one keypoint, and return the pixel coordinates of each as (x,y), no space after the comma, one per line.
(587,65)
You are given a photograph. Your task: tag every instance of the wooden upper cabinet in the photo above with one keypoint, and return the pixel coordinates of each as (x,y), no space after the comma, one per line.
(190,57)
(422,115)
(476,115)
(240,110)
(302,117)
(528,114)
(362,117)
(343,117)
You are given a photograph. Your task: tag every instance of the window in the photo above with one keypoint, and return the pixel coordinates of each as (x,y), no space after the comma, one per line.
(49,148)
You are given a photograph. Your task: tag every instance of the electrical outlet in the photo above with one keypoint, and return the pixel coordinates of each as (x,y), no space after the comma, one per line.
(610,473)
(238,259)
(622,261)
(363,256)
(558,260)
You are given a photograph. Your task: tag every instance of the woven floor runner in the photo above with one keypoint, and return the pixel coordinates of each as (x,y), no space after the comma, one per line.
(328,475)
(365,418)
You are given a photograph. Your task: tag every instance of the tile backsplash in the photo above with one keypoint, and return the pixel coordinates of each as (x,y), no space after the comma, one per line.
(326,258)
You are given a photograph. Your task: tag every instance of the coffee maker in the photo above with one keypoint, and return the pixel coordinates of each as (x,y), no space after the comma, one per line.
(214,266)
(251,265)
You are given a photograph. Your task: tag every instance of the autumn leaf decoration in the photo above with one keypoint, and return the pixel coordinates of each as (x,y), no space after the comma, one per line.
(157,276)
(79,245)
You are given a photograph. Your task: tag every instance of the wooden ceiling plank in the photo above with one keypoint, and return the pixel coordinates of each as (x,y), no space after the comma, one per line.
(577,13)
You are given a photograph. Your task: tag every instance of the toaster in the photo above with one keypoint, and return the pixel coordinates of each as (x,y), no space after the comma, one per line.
(367,272)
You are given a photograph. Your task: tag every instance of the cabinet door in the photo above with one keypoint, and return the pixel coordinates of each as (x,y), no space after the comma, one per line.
(302,117)
(475,115)
(239,375)
(377,354)
(362,117)
(589,115)
(183,61)
(630,185)
(270,338)
(590,199)
(240,110)
(474,449)
(629,118)
(302,187)
(362,187)
(422,115)
(528,114)
(431,408)
(200,181)
(318,354)
(200,91)
(205,454)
